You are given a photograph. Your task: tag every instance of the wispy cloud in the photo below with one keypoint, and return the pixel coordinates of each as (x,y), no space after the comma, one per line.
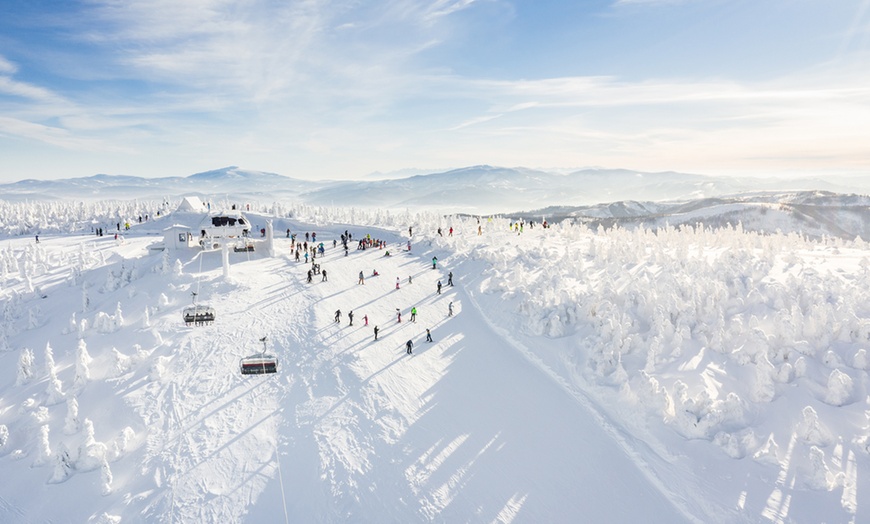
(7,67)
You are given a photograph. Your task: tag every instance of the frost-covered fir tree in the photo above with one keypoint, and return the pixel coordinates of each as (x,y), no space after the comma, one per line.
(43,448)
(25,367)
(63,465)
(71,424)
(105,478)
(91,453)
(54,387)
(83,362)
(118,318)
(4,437)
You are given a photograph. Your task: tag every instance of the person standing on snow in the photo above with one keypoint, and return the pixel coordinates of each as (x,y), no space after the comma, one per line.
(397,282)
(398,315)
(337,316)
(366,319)
(362,279)
(310,274)
(450,234)
(376,332)
(408,346)
(414,314)
(434,262)
(439,287)
(350,317)
(428,335)
(323,272)
(450,309)
(450,278)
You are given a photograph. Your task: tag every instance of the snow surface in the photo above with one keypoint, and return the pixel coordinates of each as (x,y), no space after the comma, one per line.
(687,375)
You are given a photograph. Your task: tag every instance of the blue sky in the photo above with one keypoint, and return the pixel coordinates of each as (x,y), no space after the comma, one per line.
(341,88)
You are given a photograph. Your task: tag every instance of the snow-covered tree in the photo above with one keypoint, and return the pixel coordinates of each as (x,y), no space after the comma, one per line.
(83,362)
(105,478)
(63,465)
(43,448)
(4,437)
(25,367)
(71,424)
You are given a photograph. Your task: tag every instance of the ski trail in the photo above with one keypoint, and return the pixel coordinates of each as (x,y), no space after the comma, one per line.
(222,427)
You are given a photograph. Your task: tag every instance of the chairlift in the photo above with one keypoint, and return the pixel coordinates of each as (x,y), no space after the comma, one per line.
(259,363)
(198,314)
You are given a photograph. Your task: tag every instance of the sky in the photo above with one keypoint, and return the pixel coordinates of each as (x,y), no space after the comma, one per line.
(338,89)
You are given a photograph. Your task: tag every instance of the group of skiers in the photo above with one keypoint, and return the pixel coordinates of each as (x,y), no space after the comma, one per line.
(308,249)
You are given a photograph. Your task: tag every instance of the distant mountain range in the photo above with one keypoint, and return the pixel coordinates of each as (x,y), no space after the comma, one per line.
(593,196)
(476,189)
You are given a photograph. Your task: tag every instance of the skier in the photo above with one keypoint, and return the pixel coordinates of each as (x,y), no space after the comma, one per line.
(434,262)
(428,335)
(450,278)
(398,315)
(323,271)
(439,287)
(450,309)
(350,317)
(362,279)
(414,314)
(408,346)
(376,332)
(337,316)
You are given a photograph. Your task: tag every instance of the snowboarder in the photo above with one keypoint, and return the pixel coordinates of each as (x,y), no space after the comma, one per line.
(350,317)
(428,335)
(362,279)
(434,262)
(408,346)
(450,278)
(439,287)
(376,332)
(323,271)
(450,309)
(413,314)
(337,316)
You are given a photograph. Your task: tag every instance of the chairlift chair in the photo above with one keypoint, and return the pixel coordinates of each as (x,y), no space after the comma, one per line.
(259,363)
(198,314)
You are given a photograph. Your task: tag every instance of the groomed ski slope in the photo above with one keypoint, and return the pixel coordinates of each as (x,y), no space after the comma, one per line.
(349,430)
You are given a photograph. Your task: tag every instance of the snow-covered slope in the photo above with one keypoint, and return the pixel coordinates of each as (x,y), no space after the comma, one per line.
(586,376)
